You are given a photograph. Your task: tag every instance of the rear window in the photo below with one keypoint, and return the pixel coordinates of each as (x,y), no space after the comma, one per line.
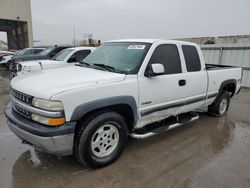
(192,58)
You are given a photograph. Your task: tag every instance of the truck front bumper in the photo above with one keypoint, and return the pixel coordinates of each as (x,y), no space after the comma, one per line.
(54,140)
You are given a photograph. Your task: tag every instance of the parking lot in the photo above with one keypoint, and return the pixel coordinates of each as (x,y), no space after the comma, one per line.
(211,152)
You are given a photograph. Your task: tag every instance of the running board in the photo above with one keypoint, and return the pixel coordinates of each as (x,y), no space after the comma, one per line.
(165,125)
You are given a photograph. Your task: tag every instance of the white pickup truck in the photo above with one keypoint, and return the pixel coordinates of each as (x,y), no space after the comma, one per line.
(136,88)
(63,58)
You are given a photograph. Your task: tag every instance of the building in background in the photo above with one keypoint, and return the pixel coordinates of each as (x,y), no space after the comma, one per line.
(237,39)
(3,45)
(16,21)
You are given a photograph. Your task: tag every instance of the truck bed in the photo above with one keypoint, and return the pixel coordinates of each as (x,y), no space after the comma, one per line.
(210,67)
(217,74)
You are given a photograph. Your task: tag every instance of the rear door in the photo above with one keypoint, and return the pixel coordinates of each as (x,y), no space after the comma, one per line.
(163,95)
(196,78)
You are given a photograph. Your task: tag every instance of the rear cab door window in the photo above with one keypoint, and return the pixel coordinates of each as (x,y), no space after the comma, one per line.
(192,58)
(196,78)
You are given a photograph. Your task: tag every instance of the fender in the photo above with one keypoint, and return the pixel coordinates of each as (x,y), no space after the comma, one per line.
(84,108)
(223,84)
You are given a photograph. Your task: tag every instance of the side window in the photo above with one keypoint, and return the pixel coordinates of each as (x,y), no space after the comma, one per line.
(36,51)
(168,55)
(192,58)
(80,55)
(55,51)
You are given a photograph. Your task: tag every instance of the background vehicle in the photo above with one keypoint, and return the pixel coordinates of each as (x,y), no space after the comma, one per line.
(5,53)
(5,56)
(137,87)
(23,52)
(43,54)
(28,51)
(64,57)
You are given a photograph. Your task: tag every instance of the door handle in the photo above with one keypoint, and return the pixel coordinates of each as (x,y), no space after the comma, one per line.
(182,82)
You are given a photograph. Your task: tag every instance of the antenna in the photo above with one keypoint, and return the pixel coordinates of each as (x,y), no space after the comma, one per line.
(40,63)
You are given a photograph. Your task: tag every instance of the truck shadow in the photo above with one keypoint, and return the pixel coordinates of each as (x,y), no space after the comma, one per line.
(153,162)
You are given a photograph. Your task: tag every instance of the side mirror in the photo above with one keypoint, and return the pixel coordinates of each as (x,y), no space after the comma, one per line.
(154,70)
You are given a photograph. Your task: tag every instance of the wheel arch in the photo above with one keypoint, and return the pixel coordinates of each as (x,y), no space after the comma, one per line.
(124,105)
(228,85)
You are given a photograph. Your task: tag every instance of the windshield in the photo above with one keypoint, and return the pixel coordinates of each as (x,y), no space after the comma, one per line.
(17,52)
(28,51)
(46,51)
(21,52)
(124,57)
(61,56)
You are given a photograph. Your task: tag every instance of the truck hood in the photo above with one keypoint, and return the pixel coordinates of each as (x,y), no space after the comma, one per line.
(46,83)
(34,65)
(29,57)
(35,62)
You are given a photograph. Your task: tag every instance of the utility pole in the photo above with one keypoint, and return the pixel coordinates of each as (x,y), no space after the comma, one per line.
(74,40)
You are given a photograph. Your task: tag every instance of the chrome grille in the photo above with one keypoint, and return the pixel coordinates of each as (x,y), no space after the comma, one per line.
(24,98)
(22,111)
(21,96)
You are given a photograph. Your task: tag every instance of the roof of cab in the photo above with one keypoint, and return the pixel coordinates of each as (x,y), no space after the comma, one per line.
(153,41)
(82,48)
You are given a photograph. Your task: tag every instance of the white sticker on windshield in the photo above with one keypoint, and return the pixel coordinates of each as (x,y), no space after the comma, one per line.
(137,47)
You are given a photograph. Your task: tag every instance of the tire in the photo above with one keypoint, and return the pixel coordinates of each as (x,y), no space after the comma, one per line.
(7,65)
(221,105)
(93,143)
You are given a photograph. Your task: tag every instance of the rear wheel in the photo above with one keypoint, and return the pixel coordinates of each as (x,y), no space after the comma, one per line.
(101,139)
(220,106)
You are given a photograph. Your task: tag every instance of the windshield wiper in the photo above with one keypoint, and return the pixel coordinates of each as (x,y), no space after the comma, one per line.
(82,63)
(98,66)
(107,67)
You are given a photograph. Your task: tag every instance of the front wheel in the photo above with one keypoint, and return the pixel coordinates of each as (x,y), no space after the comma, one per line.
(220,106)
(7,65)
(101,139)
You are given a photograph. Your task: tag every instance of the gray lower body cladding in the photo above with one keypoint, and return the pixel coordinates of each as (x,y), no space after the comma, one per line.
(55,140)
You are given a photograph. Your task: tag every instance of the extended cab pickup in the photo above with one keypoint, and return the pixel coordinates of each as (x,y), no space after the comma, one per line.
(125,87)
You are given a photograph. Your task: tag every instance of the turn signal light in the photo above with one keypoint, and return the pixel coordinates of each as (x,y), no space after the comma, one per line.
(56,122)
(48,121)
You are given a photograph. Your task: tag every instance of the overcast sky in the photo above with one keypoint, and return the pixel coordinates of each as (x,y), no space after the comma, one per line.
(53,21)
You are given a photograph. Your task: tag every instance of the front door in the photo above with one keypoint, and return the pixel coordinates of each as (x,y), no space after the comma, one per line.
(164,95)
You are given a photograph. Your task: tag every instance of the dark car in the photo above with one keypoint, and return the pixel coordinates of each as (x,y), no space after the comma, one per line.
(48,53)
(45,54)
(24,52)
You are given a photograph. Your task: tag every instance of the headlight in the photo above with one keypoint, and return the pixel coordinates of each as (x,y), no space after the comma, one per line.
(48,121)
(47,105)
(26,69)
